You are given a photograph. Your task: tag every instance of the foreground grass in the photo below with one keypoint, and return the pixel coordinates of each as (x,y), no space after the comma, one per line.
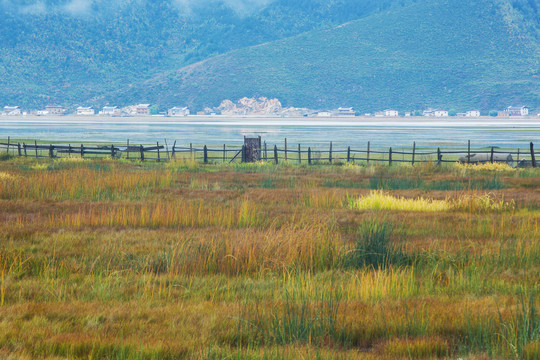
(119,260)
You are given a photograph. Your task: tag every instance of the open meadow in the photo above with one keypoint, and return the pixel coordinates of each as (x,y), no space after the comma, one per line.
(118,259)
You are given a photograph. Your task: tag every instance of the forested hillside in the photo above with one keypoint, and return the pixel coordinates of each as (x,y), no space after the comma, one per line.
(69,51)
(320,53)
(481,54)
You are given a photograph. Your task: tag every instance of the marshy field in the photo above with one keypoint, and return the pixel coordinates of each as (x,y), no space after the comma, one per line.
(116,259)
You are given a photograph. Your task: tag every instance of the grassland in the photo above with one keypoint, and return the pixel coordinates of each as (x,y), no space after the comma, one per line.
(111,259)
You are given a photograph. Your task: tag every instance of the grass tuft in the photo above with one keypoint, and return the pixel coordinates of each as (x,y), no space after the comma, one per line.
(374,247)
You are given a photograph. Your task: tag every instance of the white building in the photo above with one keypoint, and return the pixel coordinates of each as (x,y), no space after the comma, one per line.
(85,111)
(53,110)
(143,109)
(440,113)
(346,111)
(324,114)
(110,111)
(12,111)
(517,111)
(391,113)
(179,111)
(473,113)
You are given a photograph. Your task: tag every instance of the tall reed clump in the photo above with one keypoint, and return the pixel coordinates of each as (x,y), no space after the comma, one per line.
(239,252)
(514,335)
(374,247)
(521,331)
(481,204)
(172,214)
(298,319)
(84,184)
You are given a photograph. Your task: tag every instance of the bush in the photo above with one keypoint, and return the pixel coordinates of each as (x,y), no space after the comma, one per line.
(493,113)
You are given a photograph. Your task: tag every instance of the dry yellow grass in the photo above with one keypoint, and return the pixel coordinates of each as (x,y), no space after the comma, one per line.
(380,200)
(495,166)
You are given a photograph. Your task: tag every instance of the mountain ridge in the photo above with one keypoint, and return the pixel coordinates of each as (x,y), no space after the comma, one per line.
(55,52)
(489,64)
(411,54)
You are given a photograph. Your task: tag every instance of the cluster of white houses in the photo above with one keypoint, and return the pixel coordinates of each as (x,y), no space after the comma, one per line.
(145,110)
(437,113)
(141,109)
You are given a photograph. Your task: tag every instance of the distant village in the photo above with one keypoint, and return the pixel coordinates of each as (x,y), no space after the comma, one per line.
(255,107)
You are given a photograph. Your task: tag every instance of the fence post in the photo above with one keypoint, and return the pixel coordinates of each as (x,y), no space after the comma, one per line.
(309,155)
(285,149)
(244,152)
(413,152)
(275,155)
(349,154)
(224,153)
(141,149)
(492,154)
(127,149)
(518,156)
(330,154)
(51,150)
(259,153)
(533,158)
(7,149)
(19,149)
(299,154)
(24,148)
(167,149)
(158,155)
(469,153)
(112,151)
(35,148)
(265,152)
(205,155)
(173,154)
(439,156)
(368,148)
(82,151)
(69,150)
(390,157)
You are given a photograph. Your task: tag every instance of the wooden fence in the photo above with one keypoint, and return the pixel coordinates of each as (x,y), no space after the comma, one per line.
(268,153)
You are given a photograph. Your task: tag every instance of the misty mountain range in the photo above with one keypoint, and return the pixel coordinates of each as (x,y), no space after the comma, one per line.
(320,54)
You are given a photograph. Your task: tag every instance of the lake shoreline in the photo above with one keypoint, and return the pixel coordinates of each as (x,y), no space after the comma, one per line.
(315,132)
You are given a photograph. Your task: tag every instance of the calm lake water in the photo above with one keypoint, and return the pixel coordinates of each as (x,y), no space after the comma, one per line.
(315,132)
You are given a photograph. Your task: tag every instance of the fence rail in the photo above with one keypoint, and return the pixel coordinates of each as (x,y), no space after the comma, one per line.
(275,154)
